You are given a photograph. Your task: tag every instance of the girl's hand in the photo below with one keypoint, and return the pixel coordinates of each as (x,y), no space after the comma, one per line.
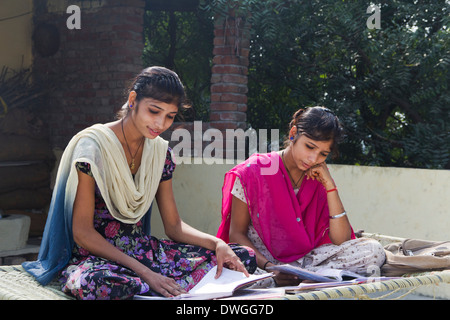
(226,257)
(284,279)
(321,173)
(161,284)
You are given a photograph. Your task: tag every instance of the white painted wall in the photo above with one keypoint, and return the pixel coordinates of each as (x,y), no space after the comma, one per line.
(410,203)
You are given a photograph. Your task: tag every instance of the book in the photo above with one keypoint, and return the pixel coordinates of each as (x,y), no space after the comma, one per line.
(225,286)
(321,275)
(210,288)
(340,275)
(309,286)
(325,278)
(257,294)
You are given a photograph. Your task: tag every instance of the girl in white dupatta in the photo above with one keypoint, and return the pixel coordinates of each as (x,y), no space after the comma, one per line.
(108,178)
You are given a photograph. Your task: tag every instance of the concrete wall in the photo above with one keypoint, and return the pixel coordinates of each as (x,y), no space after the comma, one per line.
(393,201)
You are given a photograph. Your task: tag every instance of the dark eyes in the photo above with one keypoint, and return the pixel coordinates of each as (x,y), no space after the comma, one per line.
(156,112)
(312,147)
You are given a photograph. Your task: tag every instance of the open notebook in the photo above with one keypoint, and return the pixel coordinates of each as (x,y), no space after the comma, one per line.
(321,275)
(211,288)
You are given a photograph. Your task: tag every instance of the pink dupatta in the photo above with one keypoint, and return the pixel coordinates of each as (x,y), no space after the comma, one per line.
(289,225)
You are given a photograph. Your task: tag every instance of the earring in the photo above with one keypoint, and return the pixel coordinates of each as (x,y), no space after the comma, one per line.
(291,138)
(131,106)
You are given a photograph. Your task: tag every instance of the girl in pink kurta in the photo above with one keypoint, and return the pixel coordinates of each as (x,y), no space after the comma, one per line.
(286,206)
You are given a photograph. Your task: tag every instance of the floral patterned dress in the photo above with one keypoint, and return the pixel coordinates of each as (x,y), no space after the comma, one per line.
(90,277)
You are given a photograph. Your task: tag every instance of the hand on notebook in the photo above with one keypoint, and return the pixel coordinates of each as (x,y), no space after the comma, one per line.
(161,284)
(226,257)
(284,279)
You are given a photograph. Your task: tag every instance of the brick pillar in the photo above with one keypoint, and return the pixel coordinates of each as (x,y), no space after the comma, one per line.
(93,65)
(228,88)
(229,73)
(229,81)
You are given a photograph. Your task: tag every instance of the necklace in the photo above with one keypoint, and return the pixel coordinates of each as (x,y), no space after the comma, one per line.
(132,157)
(290,176)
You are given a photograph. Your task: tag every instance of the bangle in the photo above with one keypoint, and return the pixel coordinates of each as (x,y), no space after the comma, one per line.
(331,190)
(265,264)
(338,215)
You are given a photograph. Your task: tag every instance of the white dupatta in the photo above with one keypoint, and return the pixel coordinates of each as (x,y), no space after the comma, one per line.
(127,199)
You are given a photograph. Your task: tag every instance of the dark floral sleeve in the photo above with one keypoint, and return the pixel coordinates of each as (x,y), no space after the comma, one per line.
(169,166)
(84,167)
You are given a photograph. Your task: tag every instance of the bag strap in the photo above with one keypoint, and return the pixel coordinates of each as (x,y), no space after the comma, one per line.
(409,251)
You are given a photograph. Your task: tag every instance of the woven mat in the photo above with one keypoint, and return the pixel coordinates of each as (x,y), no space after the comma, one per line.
(407,284)
(404,285)
(17,284)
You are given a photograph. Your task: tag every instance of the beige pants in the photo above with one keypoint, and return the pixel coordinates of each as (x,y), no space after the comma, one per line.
(363,256)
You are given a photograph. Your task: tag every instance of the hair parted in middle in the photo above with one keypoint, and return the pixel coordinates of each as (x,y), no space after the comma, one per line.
(158,83)
(317,123)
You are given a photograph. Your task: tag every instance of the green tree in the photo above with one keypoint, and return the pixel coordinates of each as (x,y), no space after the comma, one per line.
(183,42)
(389,86)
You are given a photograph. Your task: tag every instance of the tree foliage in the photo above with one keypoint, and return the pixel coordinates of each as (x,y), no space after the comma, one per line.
(389,86)
(183,42)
